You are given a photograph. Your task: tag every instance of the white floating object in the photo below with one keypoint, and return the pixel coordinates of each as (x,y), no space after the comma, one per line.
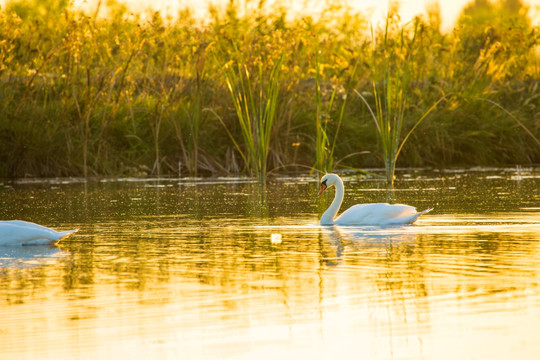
(378,214)
(17,232)
(276,238)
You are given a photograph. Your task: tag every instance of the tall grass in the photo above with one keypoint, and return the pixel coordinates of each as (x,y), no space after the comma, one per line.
(324,161)
(189,116)
(325,141)
(255,100)
(391,85)
(134,94)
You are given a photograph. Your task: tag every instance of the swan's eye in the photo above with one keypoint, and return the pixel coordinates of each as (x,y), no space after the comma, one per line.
(324,183)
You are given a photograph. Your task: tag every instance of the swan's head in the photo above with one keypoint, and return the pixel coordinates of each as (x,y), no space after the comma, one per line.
(327,181)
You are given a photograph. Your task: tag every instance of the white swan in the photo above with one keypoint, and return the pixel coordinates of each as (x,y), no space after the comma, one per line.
(17,232)
(379,214)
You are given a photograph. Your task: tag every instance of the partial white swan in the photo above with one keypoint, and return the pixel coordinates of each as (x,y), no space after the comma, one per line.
(17,232)
(379,214)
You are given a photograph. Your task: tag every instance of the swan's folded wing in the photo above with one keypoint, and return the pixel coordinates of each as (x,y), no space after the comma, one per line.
(13,234)
(376,214)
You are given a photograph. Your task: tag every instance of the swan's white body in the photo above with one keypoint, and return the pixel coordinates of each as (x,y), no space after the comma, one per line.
(17,232)
(379,214)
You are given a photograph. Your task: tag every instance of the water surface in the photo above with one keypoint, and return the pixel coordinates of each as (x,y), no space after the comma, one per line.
(186,268)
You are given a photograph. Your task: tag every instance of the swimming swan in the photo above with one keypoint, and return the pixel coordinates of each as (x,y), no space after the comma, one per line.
(17,232)
(379,214)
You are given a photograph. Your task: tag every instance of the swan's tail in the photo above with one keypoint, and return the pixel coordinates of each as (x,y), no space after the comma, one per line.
(65,234)
(418,214)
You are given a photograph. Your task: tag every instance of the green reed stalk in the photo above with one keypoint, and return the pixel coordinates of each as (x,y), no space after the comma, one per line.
(156,129)
(513,118)
(188,122)
(323,162)
(324,146)
(392,102)
(389,130)
(192,106)
(255,103)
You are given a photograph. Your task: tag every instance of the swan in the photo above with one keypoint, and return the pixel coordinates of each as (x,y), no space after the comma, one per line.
(18,232)
(379,214)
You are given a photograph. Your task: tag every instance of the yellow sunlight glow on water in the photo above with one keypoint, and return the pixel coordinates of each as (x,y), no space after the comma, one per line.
(180,269)
(353,309)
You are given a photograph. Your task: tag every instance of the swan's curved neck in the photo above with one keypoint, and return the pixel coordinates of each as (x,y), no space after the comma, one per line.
(328,217)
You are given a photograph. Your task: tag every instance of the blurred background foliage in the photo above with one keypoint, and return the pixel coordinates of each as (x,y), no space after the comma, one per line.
(143,94)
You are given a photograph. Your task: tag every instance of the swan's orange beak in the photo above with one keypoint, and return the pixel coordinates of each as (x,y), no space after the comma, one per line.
(323,187)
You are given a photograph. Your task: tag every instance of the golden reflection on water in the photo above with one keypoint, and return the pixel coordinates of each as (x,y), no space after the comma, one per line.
(191,272)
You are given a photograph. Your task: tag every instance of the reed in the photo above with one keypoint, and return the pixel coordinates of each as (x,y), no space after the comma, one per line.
(325,116)
(390,85)
(255,101)
(324,162)
(122,95)
(514,118)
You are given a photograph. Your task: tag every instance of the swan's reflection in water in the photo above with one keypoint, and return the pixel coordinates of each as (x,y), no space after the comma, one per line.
(29,256)
(374,235)
(367,238)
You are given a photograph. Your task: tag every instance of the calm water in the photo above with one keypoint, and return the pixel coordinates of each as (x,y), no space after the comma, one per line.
(186,269)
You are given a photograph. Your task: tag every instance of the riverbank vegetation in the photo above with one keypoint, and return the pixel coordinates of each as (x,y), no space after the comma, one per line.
(133,95)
